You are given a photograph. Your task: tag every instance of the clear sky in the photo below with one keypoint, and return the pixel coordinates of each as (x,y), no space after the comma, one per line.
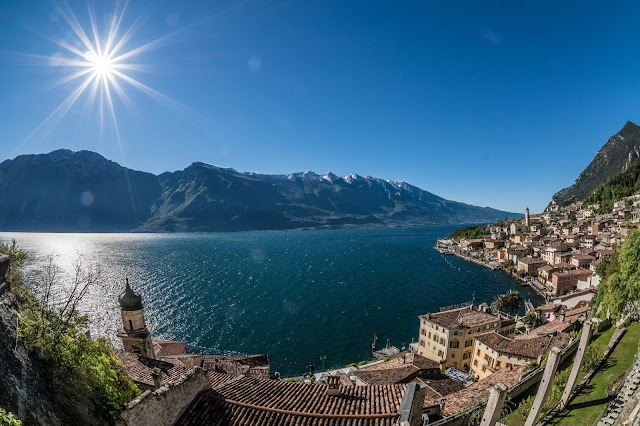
(493,103)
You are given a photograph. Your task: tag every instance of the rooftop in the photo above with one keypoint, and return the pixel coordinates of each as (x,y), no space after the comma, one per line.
(527,347)
(479,391)
(140,368)
(399,370)
(466,317)
(249,401)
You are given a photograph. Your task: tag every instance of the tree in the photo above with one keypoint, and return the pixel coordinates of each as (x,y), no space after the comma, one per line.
(619,293)
(514,300)
(17,256)
(499,303)
(80,370)
(507,302)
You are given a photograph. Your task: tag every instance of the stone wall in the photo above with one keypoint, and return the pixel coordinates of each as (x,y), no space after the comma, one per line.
(164,406)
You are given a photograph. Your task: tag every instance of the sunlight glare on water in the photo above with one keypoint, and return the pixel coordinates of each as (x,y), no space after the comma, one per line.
(295,295)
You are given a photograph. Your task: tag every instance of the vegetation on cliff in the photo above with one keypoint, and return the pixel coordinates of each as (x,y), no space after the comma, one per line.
(469,232)
(619,292)
(85,376)
(8,419)
(612,159)
(615,189)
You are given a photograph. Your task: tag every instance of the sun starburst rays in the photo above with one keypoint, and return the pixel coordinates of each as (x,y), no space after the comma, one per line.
(98,61)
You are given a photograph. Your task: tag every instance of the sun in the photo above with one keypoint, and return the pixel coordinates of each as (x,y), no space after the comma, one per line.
(101,65)
(99,59)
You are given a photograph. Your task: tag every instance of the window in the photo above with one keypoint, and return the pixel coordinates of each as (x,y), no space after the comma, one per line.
(454,344)
(440,353)
(429,335)
(422,343)
(442,341)
(435,338)
(475,362)
(466,355)
(468,343)
(478,352)
(130,325)
(484,368)
(423,332)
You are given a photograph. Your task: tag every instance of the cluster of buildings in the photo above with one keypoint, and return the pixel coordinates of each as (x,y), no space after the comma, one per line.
(461,354)
(558,251)
(413,388)
(193,389)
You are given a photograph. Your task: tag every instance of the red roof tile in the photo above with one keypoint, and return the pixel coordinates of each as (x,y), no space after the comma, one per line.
(249,401)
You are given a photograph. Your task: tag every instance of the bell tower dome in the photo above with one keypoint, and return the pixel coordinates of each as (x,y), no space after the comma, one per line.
(135,335)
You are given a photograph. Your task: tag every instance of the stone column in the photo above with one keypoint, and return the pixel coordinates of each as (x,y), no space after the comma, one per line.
(494,405)
(577,363)
(545,386)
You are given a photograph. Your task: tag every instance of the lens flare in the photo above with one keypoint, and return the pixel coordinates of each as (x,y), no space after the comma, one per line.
(102,65)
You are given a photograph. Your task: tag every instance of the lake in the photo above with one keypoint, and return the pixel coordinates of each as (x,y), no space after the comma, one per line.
(294,295)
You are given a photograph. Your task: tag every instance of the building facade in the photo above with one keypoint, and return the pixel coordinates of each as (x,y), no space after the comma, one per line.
(447,336)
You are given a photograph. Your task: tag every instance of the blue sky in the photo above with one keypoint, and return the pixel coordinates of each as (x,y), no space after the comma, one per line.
(496,103)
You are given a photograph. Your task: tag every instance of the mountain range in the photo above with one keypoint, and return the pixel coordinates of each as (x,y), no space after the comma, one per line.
(66,191)
(613,158)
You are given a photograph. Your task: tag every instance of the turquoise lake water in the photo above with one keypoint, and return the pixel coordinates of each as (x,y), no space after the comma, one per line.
(295,295)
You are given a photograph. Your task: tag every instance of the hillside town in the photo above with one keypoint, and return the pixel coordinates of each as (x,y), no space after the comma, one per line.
(465,356)
(556,252)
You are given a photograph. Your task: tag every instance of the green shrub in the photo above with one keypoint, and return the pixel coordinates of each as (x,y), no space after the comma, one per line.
(8,418)
(591,357)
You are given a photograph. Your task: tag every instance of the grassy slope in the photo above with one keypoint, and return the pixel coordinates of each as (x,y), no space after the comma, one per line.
(587,407)
(600,342)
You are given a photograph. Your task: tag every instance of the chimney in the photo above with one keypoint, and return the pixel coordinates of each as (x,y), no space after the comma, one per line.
(156,373)
(312,369)
(333,386)
(388,344)
(563,316)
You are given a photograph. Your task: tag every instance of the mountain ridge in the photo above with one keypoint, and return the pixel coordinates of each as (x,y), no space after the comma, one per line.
(613,158)
(83,191)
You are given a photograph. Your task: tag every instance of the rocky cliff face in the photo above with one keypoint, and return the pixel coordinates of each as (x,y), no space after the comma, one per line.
(22,389)
(82,191)
(619,151)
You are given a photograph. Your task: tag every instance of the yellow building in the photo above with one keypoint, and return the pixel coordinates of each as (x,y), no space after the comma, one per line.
(493,351)
(447,336)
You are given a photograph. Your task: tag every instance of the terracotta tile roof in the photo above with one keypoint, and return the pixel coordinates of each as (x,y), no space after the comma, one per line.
(479,391)
(461,318)
(250,401)
(522,346)
(251,366)
(399,370)
(437,389)
(548,307)
(392,376)
(216,379)
(413,359)
(188,360)
(168,347)
(140,368)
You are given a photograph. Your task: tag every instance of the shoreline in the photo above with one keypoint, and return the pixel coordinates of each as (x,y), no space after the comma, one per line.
(494,267)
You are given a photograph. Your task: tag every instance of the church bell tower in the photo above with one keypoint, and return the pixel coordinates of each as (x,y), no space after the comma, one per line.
(528,218)
(135,335)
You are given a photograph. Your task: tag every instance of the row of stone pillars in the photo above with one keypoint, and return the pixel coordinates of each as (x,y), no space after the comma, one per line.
(498,393)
